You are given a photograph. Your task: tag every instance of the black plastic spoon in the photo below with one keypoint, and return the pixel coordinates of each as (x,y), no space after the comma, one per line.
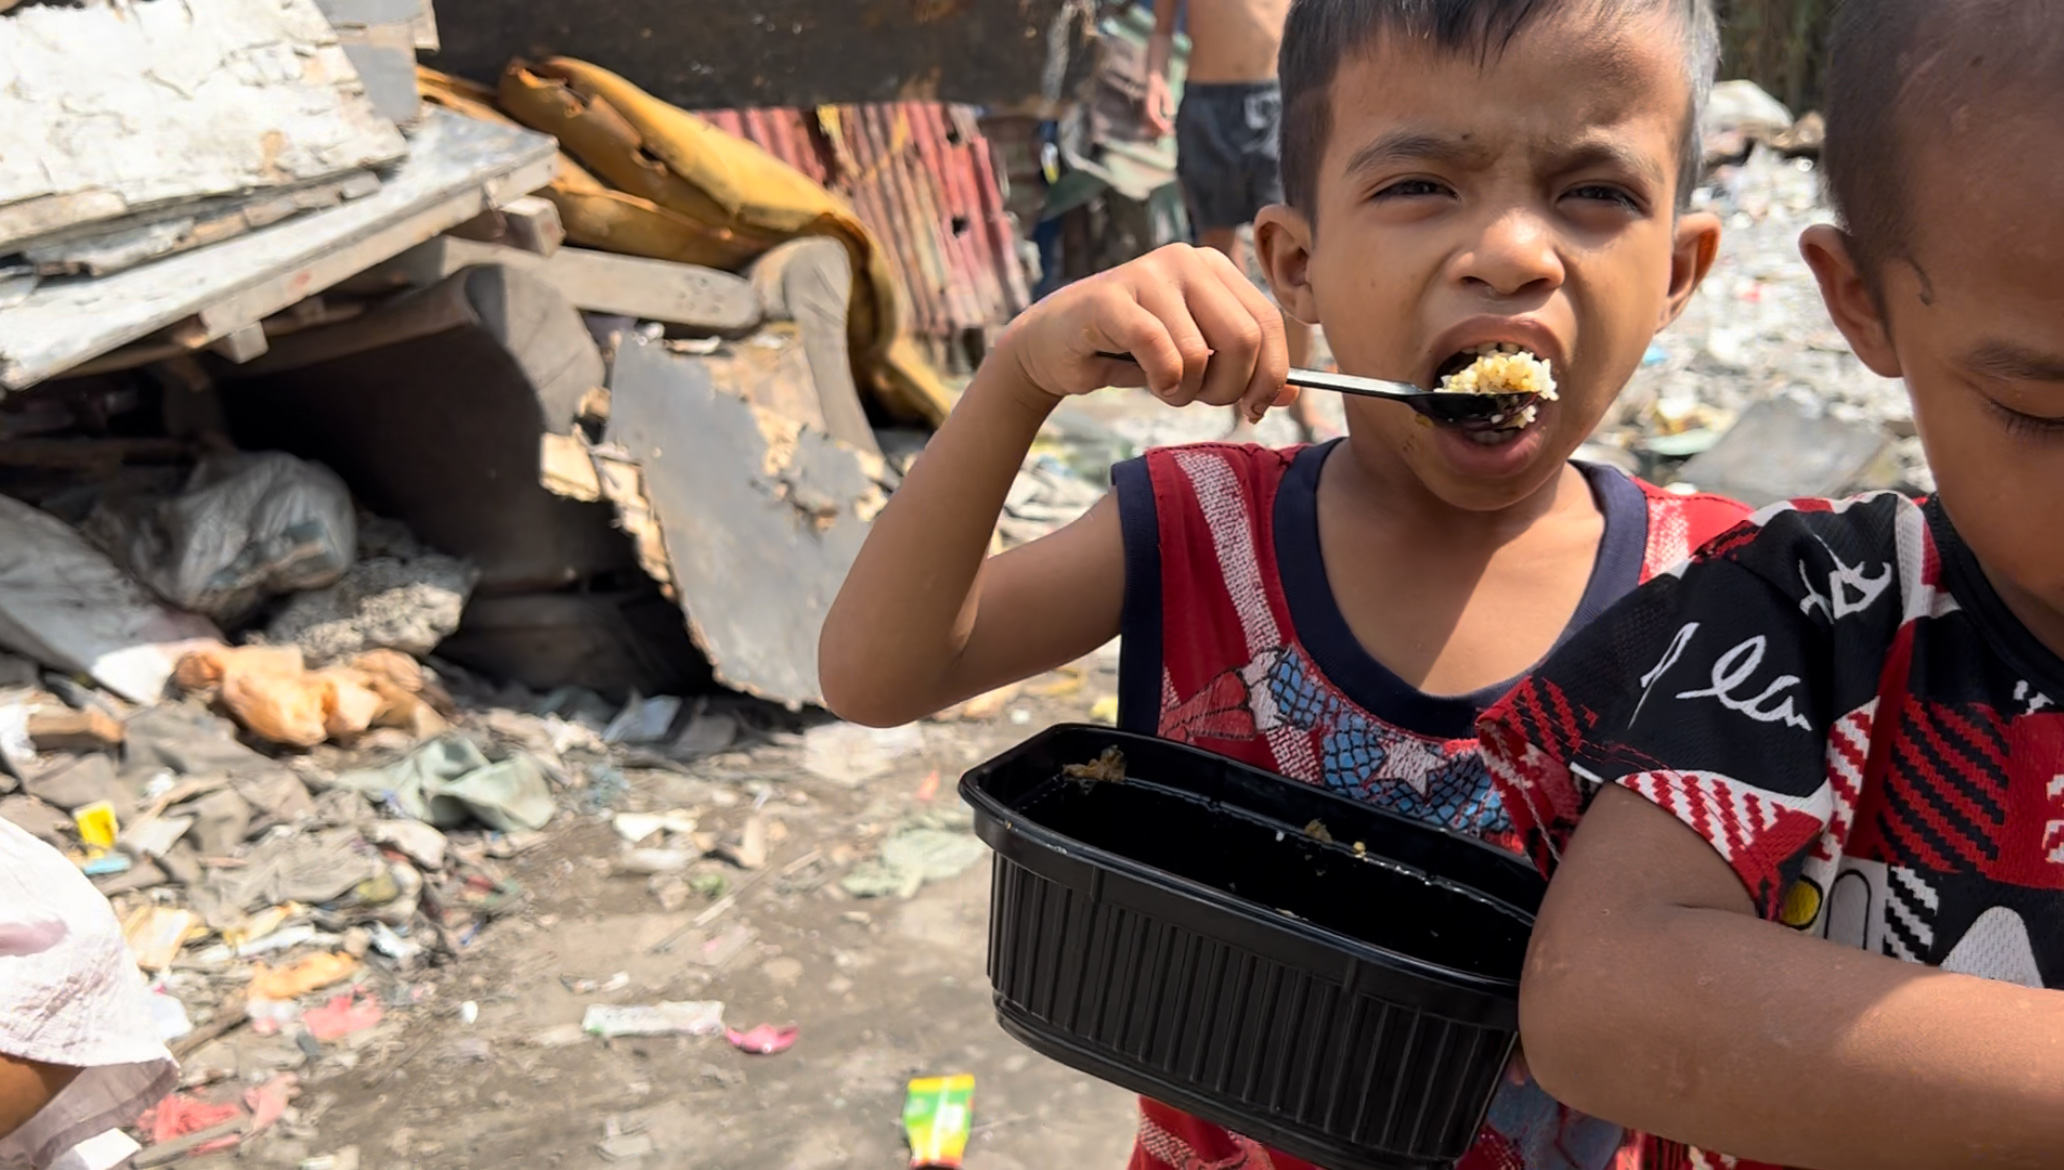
(1442,406)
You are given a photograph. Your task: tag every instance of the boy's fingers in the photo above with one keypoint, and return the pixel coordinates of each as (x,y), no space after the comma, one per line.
(1128,327)
(1264,387)
(1233,334)
(1169,306)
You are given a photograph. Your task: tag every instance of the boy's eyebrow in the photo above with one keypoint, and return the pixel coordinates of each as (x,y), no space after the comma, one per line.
(2015,362)
(1401,146)
(1416,146)
(1607,152)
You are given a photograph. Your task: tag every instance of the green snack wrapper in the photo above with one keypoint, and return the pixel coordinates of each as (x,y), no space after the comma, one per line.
(936,1118)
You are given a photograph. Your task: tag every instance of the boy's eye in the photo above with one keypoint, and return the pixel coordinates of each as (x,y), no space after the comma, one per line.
(1601,193)
(1411,189)
(2026,425)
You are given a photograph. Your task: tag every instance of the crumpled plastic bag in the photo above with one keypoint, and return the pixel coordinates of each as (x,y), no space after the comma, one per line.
(448,783)
(247,527)
(63,604)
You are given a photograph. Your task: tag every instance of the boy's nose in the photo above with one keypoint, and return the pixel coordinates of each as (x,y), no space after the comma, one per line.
(1515,255)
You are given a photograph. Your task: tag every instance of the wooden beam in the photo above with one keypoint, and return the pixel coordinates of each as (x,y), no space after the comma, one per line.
(600,282)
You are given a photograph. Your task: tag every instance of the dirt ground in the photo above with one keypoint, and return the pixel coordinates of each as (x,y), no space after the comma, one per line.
(882,990)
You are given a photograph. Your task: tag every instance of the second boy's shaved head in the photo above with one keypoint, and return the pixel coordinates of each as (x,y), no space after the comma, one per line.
(1905,73)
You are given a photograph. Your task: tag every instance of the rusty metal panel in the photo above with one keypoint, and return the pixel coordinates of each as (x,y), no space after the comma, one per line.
(922,178)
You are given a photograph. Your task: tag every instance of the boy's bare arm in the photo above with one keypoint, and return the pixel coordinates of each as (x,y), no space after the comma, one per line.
(26,1086)
(1654,997)
(907,636)
(923,621)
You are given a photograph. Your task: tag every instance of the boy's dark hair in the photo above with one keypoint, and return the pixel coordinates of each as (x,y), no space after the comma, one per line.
(1322,33)
(1890,60)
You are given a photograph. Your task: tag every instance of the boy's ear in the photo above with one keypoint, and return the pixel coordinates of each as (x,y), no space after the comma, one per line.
(1850,301)
(1283,241)
(1698,245)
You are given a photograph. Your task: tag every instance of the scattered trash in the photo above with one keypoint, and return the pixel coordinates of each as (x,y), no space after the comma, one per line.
(392,945)
(269,1101)
(764,1040)
(344,1159)
(750,851)
(469,1013)
(342,1016)
(73,731)
(626,1147)
(912,857)
(273,695)
(938,1115)
(851,755)
(693,1018)
(169,1015)
(654,861)
(419,842)
(643,721)
(97,826)
(447,782)
(636,828)
(297,979)
(1104,710)
(155,934)
(182,1114)
(560,1036)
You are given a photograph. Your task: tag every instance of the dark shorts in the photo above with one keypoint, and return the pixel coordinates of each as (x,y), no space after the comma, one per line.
(1226,152)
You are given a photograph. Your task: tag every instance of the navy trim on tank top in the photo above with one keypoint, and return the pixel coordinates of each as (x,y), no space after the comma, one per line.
(1139,626)
(1323,631)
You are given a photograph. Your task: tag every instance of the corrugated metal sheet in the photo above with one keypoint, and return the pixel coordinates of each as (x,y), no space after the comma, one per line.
(922,178)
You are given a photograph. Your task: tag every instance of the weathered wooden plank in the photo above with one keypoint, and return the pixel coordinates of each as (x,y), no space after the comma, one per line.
(600,282)
(108,106)
(100,249)
(529,224)
(457,168)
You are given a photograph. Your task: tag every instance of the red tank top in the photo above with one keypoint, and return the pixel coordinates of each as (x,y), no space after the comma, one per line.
(1233,642)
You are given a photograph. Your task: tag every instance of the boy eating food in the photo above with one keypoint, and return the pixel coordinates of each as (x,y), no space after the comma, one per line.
(1460,175)
(1815,910)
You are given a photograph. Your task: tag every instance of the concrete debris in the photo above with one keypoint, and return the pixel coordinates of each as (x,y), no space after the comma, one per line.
(382,603)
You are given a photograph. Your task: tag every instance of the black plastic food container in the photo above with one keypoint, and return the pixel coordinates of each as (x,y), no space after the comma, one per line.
(1180,934)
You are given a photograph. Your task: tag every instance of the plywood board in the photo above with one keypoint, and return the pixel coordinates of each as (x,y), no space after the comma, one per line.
(761,517)
(456,169)
(114,106)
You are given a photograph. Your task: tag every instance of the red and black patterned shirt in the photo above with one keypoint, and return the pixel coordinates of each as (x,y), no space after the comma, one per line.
(1835,698)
